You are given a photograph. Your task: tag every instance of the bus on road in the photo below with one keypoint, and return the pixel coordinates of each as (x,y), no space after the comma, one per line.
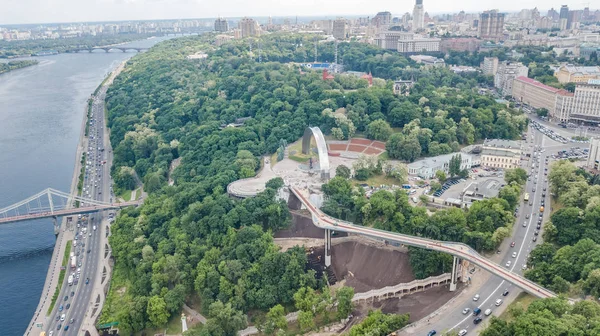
(526,198)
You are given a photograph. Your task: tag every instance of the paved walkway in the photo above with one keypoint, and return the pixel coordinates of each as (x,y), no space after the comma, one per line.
(194,314)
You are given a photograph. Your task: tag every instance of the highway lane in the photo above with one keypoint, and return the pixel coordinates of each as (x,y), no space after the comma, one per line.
(97,183)
(492,290)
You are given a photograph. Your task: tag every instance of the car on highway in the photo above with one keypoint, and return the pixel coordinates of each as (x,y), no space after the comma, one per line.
(476,297)
(60,308)
(488,312)
(431,333)
(68,306)
(498,302)
(525,224)
(66,327)
(62,317)
(505,293)
(57,317)
(462,332)
(514,254)
(58,326)
(508,263)
(66,297)
(466,311)
(72,321)
(87,281)
(527,216)
(512,244)
(477,320)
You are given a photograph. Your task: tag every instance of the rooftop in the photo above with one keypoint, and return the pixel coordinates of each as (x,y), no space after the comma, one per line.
(484,189)
(498,152)
(434,161)
(537,84)
(584,70)
(501,143)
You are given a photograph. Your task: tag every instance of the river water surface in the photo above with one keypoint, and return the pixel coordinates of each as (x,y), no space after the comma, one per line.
(41,112)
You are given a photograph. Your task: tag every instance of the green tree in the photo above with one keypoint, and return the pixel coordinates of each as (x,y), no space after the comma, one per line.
(517,175)
(344,297)
(379,324)
(454,165)
(275,320)
(343,171)
(157,311)
(306,320)
(379,130)
(225,320)
(441,176)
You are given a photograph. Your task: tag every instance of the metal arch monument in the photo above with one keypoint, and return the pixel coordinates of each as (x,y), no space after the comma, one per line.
(309,132)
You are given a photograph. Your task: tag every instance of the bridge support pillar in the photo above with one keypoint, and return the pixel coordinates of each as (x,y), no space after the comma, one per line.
(454,276)
(56,227)
(327,248)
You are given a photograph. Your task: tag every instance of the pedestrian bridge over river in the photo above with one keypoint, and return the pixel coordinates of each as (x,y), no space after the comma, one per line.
(54,203)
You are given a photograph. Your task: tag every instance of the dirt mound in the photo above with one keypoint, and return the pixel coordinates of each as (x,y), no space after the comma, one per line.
(418,305)
(365,267)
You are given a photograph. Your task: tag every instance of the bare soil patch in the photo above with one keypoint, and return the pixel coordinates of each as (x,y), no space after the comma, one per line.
(366,267)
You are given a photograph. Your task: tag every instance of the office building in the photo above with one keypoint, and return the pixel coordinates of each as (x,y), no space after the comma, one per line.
(489,66)
(339,29)
(564,17)
(507,72)
(426,168)
(491,25)
(586,102)
(419,45)
(389,39)
(248,27)
(469,44)
(221,25)
(536,94)
(418,22)
(577,74)
(593,160)
(382,19)
(504,154)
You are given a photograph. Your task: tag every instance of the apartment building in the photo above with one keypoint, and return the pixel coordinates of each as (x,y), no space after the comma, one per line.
(248,27)
(491,25)
(489,66)
(577,74)
(340,28)
(507,72)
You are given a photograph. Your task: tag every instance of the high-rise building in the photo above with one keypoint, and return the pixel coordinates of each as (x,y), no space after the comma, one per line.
(221,25)
(586,102)
(507,72)
(564,17)
(552,14)
(418,16)
(574,19)
(248,27)
(382,19)
(339,28)
(491,25)
(489,66)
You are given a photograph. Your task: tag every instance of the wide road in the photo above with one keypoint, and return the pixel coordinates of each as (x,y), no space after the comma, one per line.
(522,236)
(97,186)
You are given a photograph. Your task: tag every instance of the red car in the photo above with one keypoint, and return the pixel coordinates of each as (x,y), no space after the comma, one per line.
(512,244)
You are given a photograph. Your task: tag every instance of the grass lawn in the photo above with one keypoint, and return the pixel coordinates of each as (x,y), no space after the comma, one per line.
(61,277)
(377,180)
(523,299)
(126,195)
(173,327)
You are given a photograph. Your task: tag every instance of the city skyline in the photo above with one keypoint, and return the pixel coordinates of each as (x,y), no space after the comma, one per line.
(65,11)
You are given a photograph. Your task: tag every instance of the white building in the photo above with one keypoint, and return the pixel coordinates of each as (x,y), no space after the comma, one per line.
(594,155)
(426,168)
(489,66)
(419,45)
(507,72)
(418,16)
(586,102)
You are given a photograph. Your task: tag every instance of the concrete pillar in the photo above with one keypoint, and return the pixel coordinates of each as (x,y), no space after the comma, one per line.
(454,274)
(327,247)
(56,227)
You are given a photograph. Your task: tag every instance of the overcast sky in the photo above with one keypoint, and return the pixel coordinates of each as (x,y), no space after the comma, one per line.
(42,11)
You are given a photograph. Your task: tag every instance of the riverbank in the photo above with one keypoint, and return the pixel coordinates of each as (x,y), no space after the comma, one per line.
(53,284)
(14,65)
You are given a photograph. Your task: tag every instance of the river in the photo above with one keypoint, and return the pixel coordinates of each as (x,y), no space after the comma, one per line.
(41,111)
